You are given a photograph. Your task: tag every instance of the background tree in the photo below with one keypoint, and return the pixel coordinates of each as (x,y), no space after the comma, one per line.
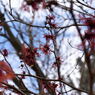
(51,44)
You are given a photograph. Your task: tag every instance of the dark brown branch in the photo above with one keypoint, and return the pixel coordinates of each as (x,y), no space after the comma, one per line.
(57,80)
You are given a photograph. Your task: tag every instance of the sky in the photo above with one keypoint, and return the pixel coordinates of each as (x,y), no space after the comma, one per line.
(71,60)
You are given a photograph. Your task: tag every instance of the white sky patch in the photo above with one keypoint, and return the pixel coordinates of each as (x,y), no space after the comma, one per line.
(14,3)
(72,53)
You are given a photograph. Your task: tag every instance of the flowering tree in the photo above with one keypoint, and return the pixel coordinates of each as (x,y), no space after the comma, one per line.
(54,43)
